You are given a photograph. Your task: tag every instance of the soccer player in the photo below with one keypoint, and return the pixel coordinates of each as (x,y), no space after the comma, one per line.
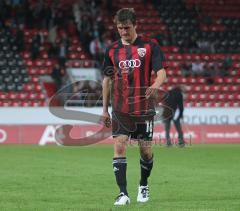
(127,68)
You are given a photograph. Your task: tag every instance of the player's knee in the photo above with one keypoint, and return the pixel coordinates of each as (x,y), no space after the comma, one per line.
(146,155)
(120,151)
(120,147)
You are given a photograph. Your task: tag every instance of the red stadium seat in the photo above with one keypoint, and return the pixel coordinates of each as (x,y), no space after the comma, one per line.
(32,70)
(37,87)
(187,57)
(192,97)
(39,63)
(16,103)
(188,104)
(25,103)
(41,96)
(197,104)
(28,87)
(221,97)
(22,95)
(3,96)
(202,96)
(192,80)
(205,88)
(72,55)
(29,63)
(34,79)
(196,88)
(26,55)
(32,96)
(178,56)
(49,63)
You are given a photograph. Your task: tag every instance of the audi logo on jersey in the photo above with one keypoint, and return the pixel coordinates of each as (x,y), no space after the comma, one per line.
(129,63)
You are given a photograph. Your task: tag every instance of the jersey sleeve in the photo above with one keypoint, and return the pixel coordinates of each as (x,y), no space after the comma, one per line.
(158,60)
(107,67)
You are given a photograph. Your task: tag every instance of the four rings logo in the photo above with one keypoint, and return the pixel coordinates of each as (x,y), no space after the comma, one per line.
(129,64)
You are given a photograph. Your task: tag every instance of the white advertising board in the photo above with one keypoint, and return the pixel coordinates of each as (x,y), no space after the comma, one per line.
(209,116)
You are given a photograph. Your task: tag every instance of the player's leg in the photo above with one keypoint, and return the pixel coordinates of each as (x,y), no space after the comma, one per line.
(146,164)
(144,133)
(120,135)
(120,162)
(146,161)
(120,169)
(178,127)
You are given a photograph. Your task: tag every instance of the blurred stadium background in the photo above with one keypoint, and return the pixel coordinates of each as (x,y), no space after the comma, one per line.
(48,46)
(57,46)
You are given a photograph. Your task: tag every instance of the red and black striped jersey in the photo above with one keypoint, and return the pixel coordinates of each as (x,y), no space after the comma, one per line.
(130,67)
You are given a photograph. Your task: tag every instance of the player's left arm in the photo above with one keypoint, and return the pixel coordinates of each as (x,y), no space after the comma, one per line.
(157,61)
(153,89)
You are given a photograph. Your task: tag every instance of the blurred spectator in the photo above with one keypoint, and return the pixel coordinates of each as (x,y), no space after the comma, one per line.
(106,42)
(63,50)
(29,18)
(198,68)
(20,38)
(88,93)
(100,26)
(85,39)
(71,28)
(108,4)
(59,18)
(186,69)
(204,46)
(46,14)
(85,24)
(57,75)
(52,35)
(211,70)
(77,14)
(96,49)
(62,54)
(191,44)
(65,40)
(93,93)
(53,50)
(214,68)
(197,9)
(226,65)
(35,47)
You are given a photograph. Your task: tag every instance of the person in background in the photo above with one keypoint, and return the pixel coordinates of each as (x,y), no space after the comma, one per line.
(57,74)
(173,112)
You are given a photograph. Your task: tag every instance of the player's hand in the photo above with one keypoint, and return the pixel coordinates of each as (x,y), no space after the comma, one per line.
(151,92)
(106,119)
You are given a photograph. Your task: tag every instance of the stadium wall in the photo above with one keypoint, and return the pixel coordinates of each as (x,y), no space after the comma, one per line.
(38,125)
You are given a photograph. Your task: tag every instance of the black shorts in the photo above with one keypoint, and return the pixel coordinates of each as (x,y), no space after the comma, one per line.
(135,127)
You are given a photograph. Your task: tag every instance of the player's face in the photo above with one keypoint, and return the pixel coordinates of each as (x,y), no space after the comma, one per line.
(127,31)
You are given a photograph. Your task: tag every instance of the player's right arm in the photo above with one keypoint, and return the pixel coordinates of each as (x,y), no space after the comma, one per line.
(106,93)
(106,86)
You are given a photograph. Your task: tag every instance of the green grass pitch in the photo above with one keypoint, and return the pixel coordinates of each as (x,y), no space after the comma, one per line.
(200,177)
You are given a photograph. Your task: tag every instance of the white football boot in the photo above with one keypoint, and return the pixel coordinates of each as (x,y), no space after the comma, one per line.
(143,194)
(122,199)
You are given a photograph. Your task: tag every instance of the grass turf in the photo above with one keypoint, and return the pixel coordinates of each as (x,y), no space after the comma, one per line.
(201,177)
